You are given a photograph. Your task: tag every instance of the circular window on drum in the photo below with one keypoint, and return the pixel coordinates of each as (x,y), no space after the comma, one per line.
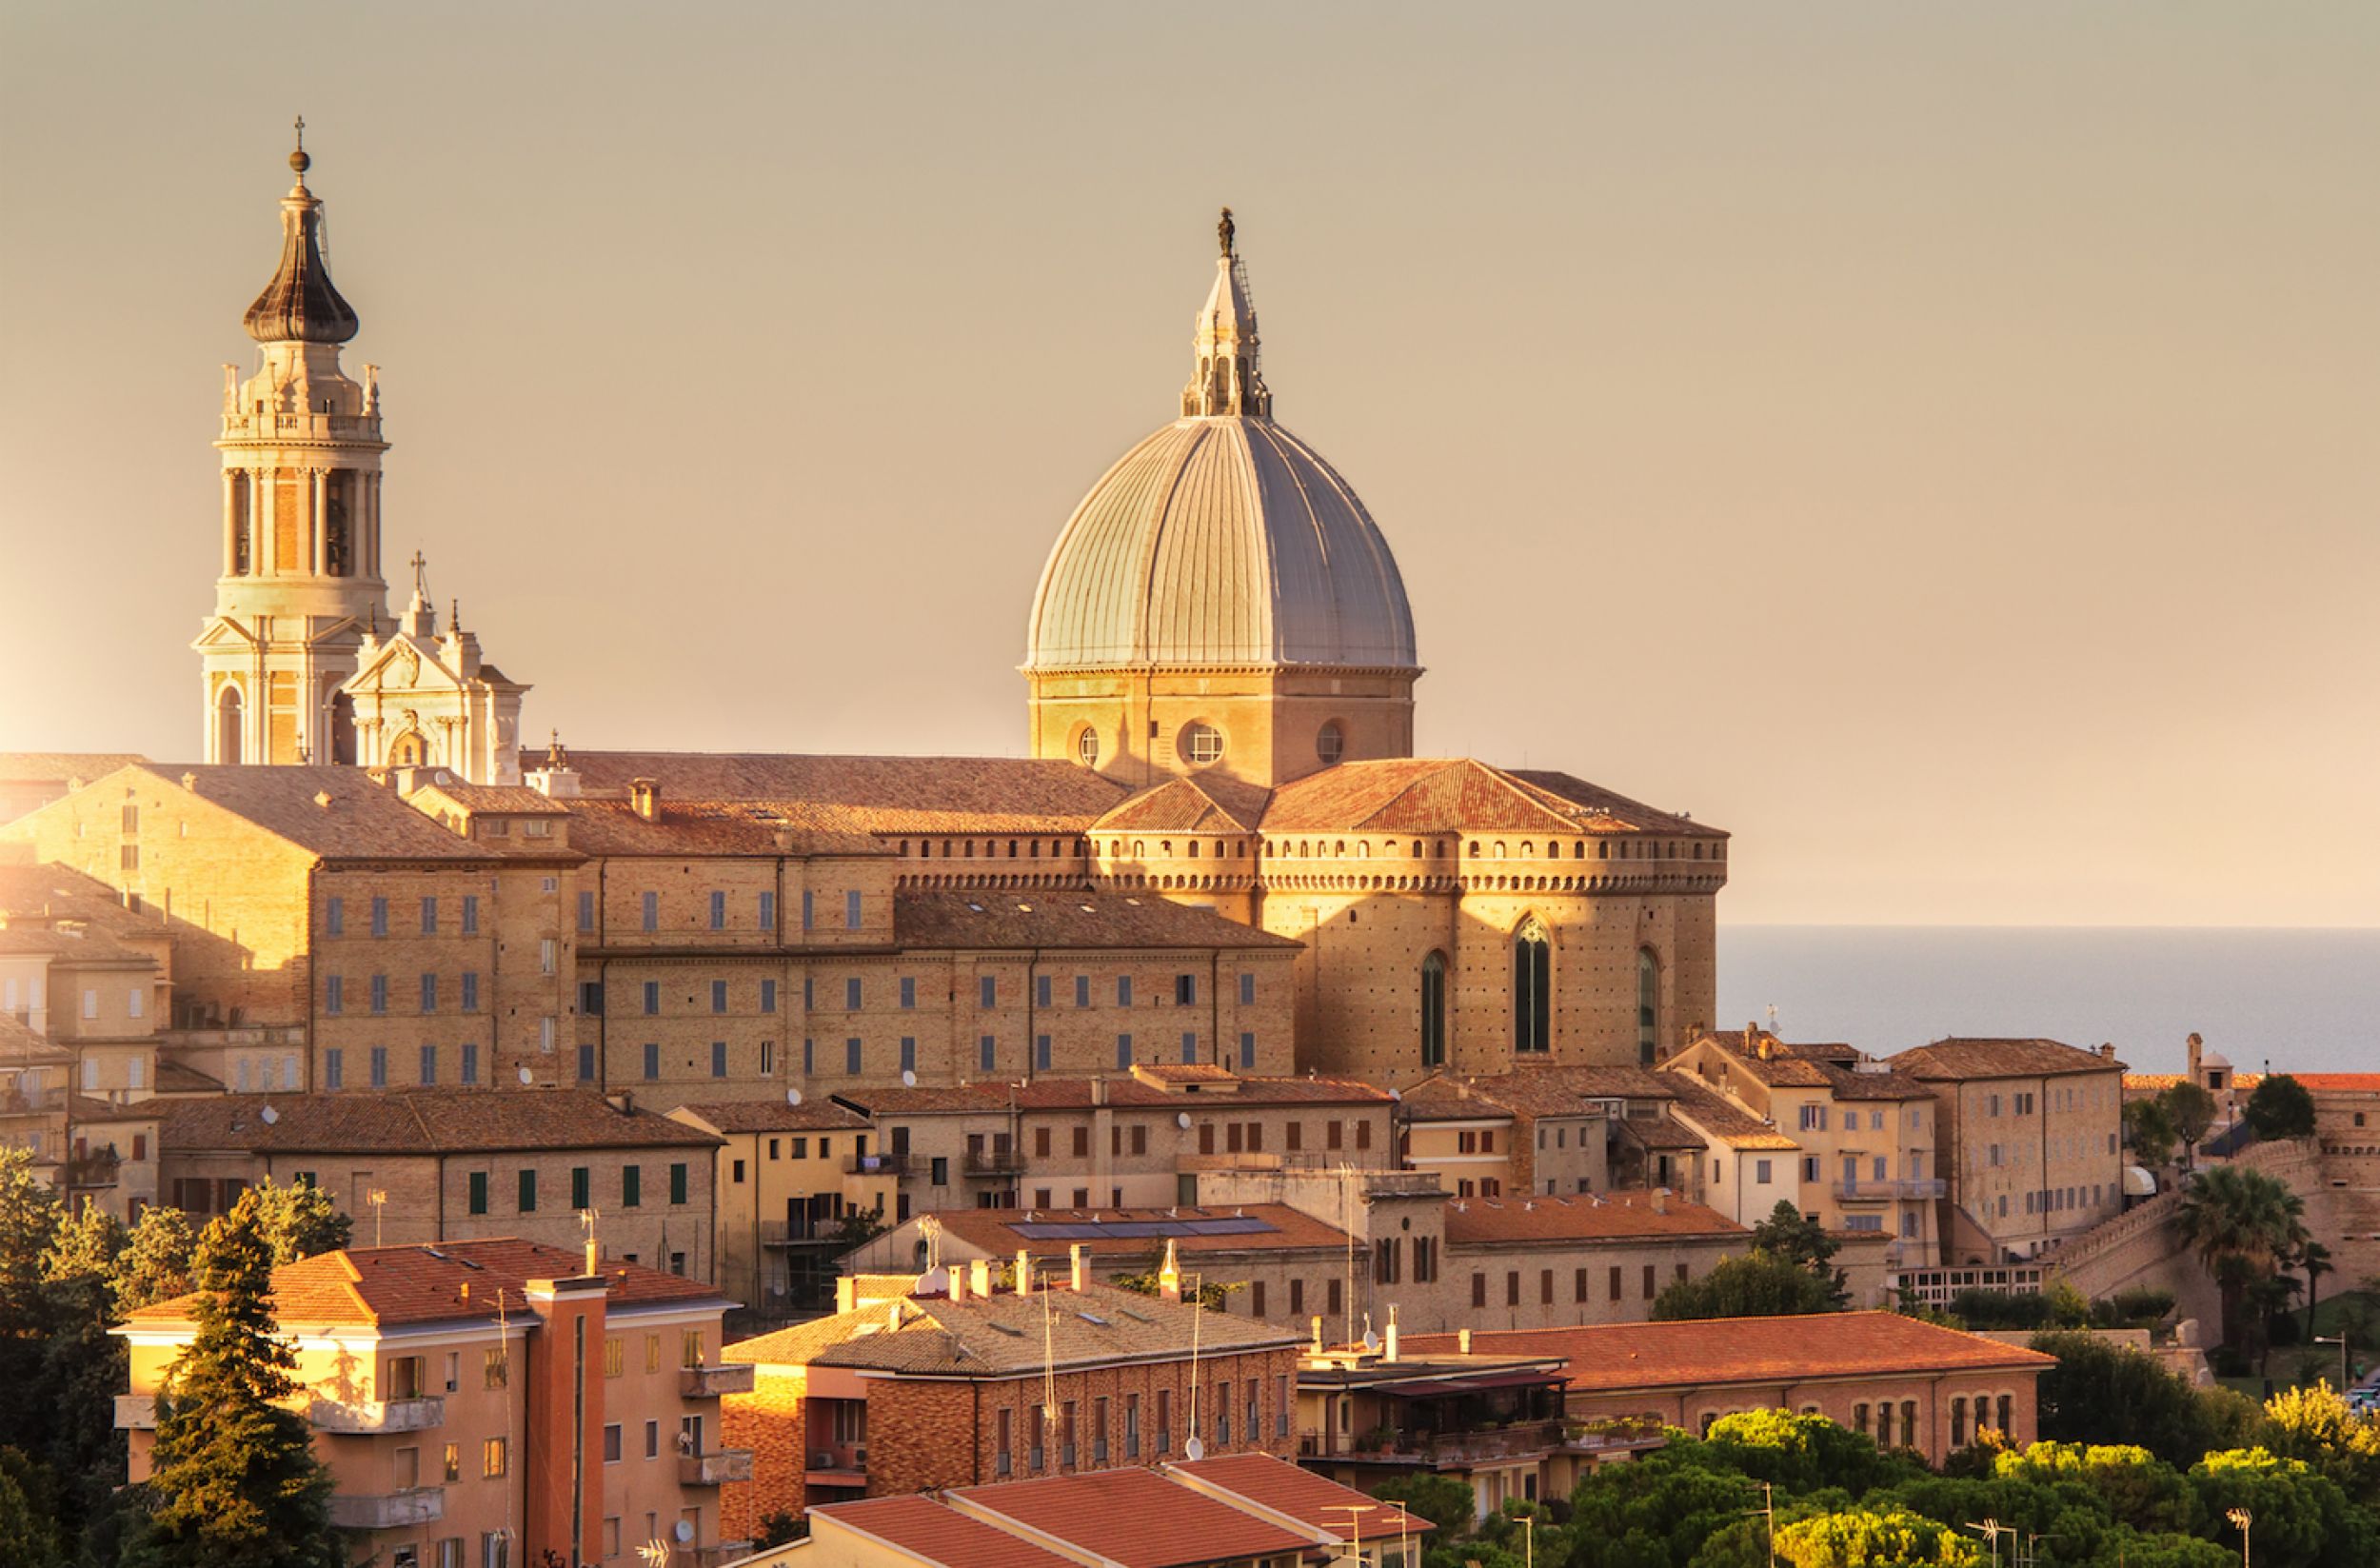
(1086,747)
(1199,743)
(1330,744)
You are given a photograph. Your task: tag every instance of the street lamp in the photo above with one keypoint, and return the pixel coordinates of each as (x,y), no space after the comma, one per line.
(2339,1339)
(1354,1513)
(2242,1517)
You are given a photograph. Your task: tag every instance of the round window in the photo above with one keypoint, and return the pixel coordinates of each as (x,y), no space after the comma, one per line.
(1086,747)
(1330,742)
(1201,742)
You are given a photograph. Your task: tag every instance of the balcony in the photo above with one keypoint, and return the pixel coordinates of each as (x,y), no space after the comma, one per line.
(994,1161)
(711,1556)
(371,1417)
(876,1164)
(89,1171)
(388,1510)
(1889,1190)
(710,1382)
(716,1468)
(137,1411)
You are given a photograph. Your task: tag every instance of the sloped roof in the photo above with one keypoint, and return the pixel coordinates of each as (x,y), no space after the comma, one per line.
(1065,1094)
(818,1113)
(497,800)
(1459,795)
(419,1121)
(1725,1120)
(454,1282)
(1702,1353)
(2340,1082)
(62,892)
(1209,804)
(873,794)
(920,1527)
(1619,1217)
(1550,1090)
(1315,1501)
(1066,919)
(362,821)
(62,766)
(1138,1233)
(1960,1059)
(1838,1069)
(1135,1518)
(615,828)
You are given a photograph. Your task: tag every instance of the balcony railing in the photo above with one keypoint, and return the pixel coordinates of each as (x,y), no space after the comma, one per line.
(716,1468)
(710,1382)
(137,1411)
(994,1163)
(876,1164)
(369,1418)
(1889,1189)
(387,1510)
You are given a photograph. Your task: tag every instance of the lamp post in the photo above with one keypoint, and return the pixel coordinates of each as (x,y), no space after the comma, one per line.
(1529,1541)
(2244,1520)
(2339,1339)
(1354,1513)
(1767,1512)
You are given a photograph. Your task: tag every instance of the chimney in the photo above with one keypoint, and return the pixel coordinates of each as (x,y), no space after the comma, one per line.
(980,1278)
(2198,1049)
(1169,1277)
(594,1258)
(1078,1269)
(1317,1334)
(644,799)
(847,1293)
(958,1283)
(2107,1050)
(1098,1088)
(1025,1273)
(1462,1342)
(1388,1347)
(892,1317)
(1661,1199)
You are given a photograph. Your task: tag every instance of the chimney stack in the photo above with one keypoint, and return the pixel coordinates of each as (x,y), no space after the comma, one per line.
(847,1293)
(1389,1347)
(1025,1273)
(1169,1277)
(981,1277)
(958,1282)
(644,799)
(1078,1269)
(1661,1199)
(2107,1050)
(594,1259)
(1462,1342)
(1317,1334)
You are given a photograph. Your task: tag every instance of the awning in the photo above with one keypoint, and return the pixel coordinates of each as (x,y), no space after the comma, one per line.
(2138,1182)
(1471,1383)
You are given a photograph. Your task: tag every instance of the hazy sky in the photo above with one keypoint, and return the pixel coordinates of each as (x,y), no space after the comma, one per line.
(1935,442)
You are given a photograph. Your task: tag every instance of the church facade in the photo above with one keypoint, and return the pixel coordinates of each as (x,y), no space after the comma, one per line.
(1220,666)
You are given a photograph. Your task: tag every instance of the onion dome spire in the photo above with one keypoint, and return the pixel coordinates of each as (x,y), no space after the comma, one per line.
(300,305)
(1224,379)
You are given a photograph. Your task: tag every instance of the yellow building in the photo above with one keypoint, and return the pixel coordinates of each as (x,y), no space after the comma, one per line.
(789,1176)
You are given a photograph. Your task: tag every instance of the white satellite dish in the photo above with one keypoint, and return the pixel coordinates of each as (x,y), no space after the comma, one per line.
(269,1116)
(684,1531)
(793,1097)
(527,1077)
(1395,1098)
(1183,1121)
(909,1079)
(1371,1342)
(1195,1448)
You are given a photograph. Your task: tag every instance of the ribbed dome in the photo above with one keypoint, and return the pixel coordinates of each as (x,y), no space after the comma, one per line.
(1220,540)
(300,305)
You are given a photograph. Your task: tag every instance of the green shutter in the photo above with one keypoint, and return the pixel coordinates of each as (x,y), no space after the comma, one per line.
(528,1192)
(632,1185)
(577,1187)
(479,1192)
(676,1183)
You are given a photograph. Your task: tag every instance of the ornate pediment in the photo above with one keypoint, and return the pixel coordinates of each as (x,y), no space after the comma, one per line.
(403,667)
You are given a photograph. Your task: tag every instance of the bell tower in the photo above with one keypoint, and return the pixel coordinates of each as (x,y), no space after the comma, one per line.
(301,584)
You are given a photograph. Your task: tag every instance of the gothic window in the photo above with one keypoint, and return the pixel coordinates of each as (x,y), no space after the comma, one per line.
(229,725)
(1330,744)
(1533,987)
(1200,744)
(1648,1004)
(1434,1010)
(1086,747)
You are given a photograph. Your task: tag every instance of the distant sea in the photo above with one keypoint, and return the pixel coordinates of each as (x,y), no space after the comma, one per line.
(2306,1001)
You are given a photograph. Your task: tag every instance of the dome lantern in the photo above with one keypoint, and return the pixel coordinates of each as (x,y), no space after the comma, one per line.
(300,305)
(1223,375)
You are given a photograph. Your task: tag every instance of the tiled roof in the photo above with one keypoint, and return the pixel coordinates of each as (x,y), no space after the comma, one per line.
(1007,1334)
(1269,1227)
(498,799)
(454,1282)
(875,794)
(1609,1357)
(1458,795)
(710,827)
(818,1113)
(362,820)
(1313,1501)
(1064,919)
(1619,1217)
(1207,805)
(177,1077)
(1959,1058)
(1659,1132)
(1135,1518)
(1063,1094)
(61,767)
(60,892)
(2340,1082)
(419,1121)
(1531,1091)
(93,945)
(1723,1120)
(920,1527)
(21,1046)
(1838,1069)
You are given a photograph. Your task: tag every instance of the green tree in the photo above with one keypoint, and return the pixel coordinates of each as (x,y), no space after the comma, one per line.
(2108,1394)
(2316,1426)
(1869,1538)
(236,1481)
(1791,1234)
(2312,1260)
(29,1537)
(2241,1223)
(299,1221)
(1800,1453)
(1661,1510)
(84,1366)
(1209,1293)
(1754,1285)
(1444,1501)
(2149,1132)
(2300,1516)
(2189,1110)
(2281,1107)
(155,1265)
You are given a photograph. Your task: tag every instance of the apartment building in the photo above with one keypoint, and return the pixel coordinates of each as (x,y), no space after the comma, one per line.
(2029,1134)
(1862,1135)
(1546,1129)
(452,1164)
(954,1378)
(789,1176)
(458,1420)
(1905,1382)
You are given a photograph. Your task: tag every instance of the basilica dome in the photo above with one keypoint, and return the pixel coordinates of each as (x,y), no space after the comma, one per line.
(1221,539)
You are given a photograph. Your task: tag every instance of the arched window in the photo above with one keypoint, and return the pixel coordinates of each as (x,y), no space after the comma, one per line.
(229,712)
(1199,743)
(1434,1010)
(409,750)
(1533,987)
(1648,1004)
(1330,742)
(1603,849)
(1086,747)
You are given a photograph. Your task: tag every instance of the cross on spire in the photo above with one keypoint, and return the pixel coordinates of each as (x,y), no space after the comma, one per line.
(420,580)
(298,160)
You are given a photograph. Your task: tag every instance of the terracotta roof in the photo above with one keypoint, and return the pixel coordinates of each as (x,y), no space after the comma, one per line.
(454,1282)
(1608,1356)
(710,827)
(819,1114)
(1135,1518)
(1723,1120)
(1067,919)
(62,892)
(1838,1069)
(1138,1233)
(419,1121)
(937,795)
(497,800)
(1531,1092)
(1960,1058)
(92,944)
(63,766)
(1063,1094)
(1458,795)
(177,1077)
(88,1111)
(1315,1501)
(1207,805)
(923,1528)
(1620,1217)
(22,1045)
(1007,1334)
(2340,1082)
(364,820)
(1659,1132)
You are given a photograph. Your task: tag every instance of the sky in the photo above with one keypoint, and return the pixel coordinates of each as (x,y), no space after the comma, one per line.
(1937,444)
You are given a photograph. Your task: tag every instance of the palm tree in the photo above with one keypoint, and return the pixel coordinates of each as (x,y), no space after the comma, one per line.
(2241,1223)
(2315,1259)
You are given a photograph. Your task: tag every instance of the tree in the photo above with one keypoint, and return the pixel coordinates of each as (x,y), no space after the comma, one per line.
(28,1538)
(2314,1259)
(236,1481)
(1754,1285)
(1869,1538)
(1210,1293)
(2301,1516)
(155,1265)
(2241,1223)
(2189,1110)
(2281,1107)
(1444,1501)
(1791,1234)
(2149,1132)
(2107,1394)
(82,1366)
(299,1221)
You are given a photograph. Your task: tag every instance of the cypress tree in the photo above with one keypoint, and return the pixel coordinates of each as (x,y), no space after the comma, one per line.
(236,1483)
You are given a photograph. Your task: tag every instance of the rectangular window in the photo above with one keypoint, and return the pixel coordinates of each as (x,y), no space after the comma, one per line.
(908,1053)
(587,1063)
(852,995)
(718,996)
(493,1457)
(548,954)
(851,1056)
(479,1192)
(718,1059)
(380,1066)
(1040,990)
(718,910)
(1478,1288)
(586,911)
(1185,991)
(768,1057)
(334,1068)
(987,987)
(492,1368)
(809,1057)
(908,991)
(1123,990)
(768,995)
(1247,1051)
(336,994)
(470,993)
(1613,1284)
(429,993)
(471,1063)
(470,914)
(984,1053)
(582,1191)
(1082,990)
(652,1061)
(1123,1053)
(851,911)
(380,993)
(677,1184)
(429,916)
(429,1065)
(651,911)
(632,1186)
(527,1197)
(611,1444)
(1247,990)
(1041,1053)
(1189,1046)
(768,912)
(806,908)
(379,917)
(335,917)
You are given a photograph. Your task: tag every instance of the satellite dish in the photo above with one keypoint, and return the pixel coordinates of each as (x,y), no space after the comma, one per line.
(1182,1120)
(793,1097)
(909,1079)
(527,1077)
(684,1531)
(1395,1098)
(1196,1449)
(269,1116)
(1371,1342)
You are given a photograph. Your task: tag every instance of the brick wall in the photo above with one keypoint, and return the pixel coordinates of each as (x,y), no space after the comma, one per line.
(771,1421)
